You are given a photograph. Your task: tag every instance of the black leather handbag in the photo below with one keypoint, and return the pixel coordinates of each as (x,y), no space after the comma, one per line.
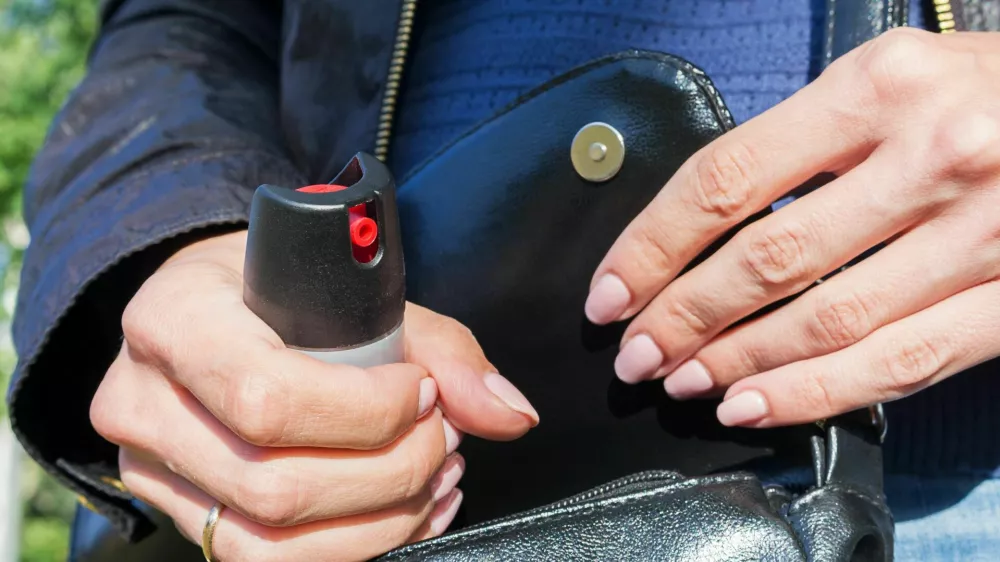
(501,232)
(522,283)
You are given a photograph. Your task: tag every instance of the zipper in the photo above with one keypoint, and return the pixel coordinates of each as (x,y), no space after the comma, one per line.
(593,493)
(397,63)
(614,485)
(945,15)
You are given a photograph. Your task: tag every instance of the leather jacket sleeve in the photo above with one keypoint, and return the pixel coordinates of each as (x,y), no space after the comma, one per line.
(165,139)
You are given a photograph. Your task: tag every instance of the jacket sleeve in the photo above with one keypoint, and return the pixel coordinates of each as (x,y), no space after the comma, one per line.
(164,141)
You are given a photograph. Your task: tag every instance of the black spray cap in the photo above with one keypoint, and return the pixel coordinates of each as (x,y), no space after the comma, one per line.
(324,264)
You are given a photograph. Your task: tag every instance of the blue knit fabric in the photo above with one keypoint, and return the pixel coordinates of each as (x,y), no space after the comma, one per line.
(473,58)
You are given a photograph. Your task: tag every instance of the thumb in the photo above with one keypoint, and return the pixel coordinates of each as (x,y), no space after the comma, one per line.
(472,394)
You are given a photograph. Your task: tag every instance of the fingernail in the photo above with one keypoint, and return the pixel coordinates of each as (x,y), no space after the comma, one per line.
(452,437)
(445,511)
(638,359)
(447,478)
(607,300)
(688,381)
(427,397)
(742,409)
(510,395)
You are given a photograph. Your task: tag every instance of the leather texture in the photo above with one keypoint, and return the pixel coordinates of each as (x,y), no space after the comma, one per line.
(499,232)
(663,516)
(717,518)
(502,234)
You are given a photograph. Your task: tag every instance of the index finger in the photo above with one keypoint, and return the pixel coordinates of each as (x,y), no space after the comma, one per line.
(816,130)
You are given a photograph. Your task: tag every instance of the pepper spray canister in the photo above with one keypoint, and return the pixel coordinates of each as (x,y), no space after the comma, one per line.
(324,266)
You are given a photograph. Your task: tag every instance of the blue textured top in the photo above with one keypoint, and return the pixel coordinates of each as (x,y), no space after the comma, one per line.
(472,58)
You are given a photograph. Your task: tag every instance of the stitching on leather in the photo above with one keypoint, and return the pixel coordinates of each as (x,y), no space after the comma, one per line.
(634,54)
(705,83)
(815,495)
(583,509)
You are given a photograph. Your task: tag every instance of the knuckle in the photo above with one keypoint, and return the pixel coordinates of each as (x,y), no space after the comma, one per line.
(653,247)
(778,256)
(841,321)
(106,417)
(256,408)
(813,395)
(269,496)
(383,425)
(897,64)
(421,468)
(448,325)
(909,364)
(138,328)
(968,145)
(749,359)
(724,179)
(417,467)
(694,318)
(382,432)
(149,322)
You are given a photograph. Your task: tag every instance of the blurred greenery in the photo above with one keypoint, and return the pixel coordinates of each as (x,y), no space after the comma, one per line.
(43,49)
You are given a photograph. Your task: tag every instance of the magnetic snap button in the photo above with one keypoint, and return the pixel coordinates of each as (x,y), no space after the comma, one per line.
(598,152)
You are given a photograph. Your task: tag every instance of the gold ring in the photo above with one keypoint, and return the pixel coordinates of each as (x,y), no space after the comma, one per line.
(208,533)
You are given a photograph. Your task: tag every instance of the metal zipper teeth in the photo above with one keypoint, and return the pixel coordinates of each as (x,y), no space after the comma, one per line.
(945,16)
(397,62)
(648,476)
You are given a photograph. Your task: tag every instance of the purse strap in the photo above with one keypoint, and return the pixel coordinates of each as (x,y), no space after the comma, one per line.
(849,23)
(849,452)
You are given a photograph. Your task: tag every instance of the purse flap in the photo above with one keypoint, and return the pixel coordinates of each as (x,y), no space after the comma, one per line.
(501,233)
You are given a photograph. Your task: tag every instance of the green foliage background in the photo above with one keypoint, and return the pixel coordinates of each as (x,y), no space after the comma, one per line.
(43,49)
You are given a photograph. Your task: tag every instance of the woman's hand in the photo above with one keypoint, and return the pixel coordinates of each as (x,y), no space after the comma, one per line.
(314,461)
(910,126)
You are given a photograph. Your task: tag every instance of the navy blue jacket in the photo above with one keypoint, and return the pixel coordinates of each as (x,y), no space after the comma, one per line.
(177,121)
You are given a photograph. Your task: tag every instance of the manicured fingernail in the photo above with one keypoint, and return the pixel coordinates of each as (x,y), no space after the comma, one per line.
(445,511)
(689,380)
(510,395)
(607,300)
(638,359)
(452,438)
(428,396)
(742,409)
(447,478)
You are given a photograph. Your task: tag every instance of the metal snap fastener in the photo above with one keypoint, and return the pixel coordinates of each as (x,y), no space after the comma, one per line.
(598,152)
